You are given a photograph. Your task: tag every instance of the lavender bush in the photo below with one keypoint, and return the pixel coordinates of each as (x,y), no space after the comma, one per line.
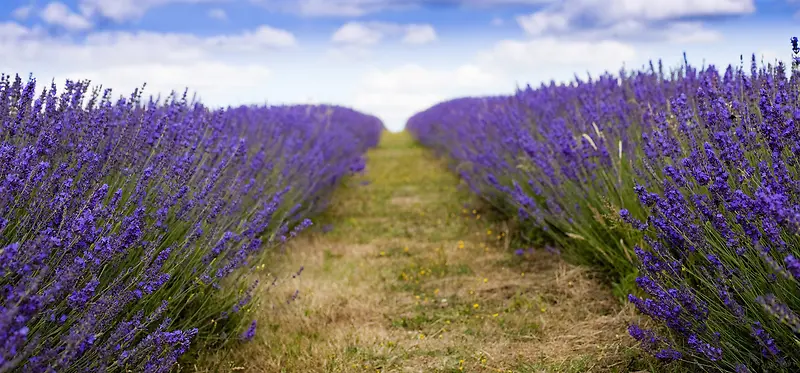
(720,266)
(560,158)
(702,168)
(128,228)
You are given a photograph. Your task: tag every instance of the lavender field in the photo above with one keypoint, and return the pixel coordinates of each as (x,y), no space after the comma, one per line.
(684,181)
(646,220)
(131,227)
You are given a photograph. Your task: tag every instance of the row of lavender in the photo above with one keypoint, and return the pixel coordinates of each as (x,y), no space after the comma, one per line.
(687,182)
(129,228)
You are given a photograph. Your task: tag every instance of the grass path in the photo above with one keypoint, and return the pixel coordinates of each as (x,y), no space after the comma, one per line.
(411,280)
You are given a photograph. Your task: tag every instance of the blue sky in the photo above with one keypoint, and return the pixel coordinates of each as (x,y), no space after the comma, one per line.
(390,58)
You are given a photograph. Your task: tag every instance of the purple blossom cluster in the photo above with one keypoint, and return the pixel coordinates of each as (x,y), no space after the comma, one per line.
(128,226)
(689,181)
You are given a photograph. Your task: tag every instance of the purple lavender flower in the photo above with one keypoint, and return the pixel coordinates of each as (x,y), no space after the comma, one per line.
(793,266)
(710,352)
(768,346)
(249,333)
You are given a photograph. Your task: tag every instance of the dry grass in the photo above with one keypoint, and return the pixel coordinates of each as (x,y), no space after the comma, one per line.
(411,280)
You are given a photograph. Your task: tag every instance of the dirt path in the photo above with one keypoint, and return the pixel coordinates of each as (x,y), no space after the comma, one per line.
(411,280)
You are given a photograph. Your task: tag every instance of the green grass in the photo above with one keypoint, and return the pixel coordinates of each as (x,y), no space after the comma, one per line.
(415,278)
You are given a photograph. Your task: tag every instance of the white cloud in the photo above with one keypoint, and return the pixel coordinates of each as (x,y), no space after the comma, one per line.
(579,15)
(617,10)
(539,23)
(56,13)
(554,55)
(127,10)
(690,33)
(370,33)
(676,32)
(419,34)
(357,33)
(22,12)
(218,13)
(116,10)
(11,33)
(262,37)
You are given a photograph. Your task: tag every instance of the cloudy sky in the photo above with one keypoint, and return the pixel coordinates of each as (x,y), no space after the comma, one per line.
(390,58)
